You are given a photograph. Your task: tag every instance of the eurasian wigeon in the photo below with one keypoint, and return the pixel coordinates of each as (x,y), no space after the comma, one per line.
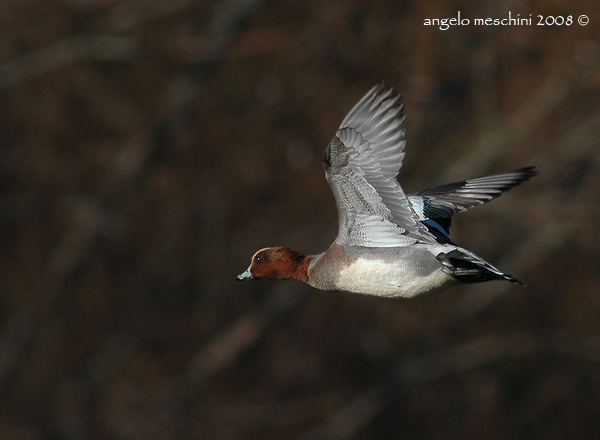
(388,244)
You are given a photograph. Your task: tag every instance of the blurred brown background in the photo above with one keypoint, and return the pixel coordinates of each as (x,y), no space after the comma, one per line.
(148,148)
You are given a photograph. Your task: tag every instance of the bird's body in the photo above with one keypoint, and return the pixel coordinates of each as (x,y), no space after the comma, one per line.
(389,244)
(403,271)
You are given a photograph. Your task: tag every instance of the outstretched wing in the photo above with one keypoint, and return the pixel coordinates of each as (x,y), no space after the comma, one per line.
(440,203)
(361,163)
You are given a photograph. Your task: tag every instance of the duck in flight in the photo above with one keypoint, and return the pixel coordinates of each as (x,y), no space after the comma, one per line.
(389,243)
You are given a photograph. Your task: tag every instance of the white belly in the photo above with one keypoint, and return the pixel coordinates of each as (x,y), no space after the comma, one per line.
(375,277)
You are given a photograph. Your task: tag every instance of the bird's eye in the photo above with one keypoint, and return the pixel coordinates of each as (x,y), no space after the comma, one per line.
(258,259)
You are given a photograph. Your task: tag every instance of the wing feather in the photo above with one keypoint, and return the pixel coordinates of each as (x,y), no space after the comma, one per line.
(361,164)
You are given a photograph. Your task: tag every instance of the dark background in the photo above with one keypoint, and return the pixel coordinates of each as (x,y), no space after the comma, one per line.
(148,148)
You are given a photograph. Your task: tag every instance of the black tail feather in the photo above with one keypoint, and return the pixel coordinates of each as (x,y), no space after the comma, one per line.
(469,268)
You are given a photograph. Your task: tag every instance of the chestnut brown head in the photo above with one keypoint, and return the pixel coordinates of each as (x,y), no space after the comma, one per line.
(276,263)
